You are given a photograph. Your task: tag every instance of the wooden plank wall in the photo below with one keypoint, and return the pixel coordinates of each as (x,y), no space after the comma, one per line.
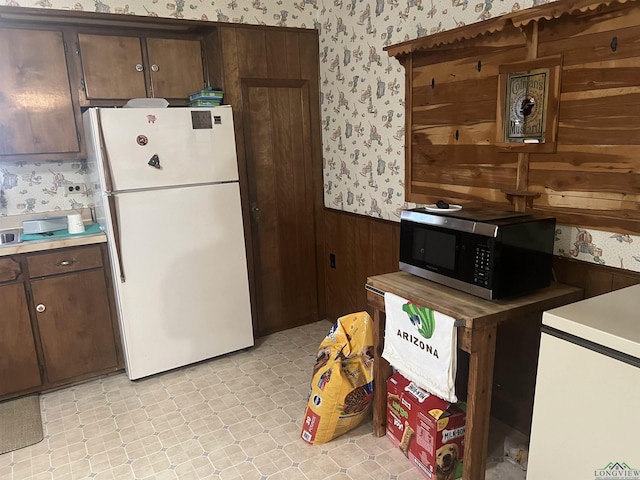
(592,180)
(451,117)
(364,246)
(241,55)
(596,170)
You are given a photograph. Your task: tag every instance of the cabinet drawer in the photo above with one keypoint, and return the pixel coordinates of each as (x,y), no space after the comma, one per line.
(10,269)
(71,260)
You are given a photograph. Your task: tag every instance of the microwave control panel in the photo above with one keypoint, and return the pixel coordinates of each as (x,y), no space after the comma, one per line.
(482,265)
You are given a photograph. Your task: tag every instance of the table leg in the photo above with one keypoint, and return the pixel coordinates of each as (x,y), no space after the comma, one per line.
(481,361)
(381,372)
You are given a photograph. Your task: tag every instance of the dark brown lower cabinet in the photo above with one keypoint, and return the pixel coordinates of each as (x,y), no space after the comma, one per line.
(18,357)
(58,319)
(75,325)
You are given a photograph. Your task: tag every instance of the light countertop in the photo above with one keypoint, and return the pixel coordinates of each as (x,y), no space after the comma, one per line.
(610,319)
(47,244)
(15,222)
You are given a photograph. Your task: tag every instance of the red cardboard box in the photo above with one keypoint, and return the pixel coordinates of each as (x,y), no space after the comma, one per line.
(428,429)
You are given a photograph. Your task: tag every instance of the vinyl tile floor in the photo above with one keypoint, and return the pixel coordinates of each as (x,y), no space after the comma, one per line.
(234,417)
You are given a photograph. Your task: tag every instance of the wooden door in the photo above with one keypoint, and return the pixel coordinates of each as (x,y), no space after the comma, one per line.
(176,67)
(277,128)
(18,360)
(112,67)
(75,324)
(36,110)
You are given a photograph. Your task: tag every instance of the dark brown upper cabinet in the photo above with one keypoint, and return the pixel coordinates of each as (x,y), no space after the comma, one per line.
(38,115)
(116,68)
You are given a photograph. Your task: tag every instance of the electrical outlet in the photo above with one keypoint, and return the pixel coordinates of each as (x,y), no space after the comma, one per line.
(75,189)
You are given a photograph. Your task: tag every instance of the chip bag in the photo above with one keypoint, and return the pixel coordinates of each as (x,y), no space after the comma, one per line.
(342,383)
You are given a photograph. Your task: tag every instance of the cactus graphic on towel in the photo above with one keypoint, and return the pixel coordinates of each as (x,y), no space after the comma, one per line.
(421,317)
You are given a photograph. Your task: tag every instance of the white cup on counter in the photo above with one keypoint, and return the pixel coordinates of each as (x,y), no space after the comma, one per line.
(75,223)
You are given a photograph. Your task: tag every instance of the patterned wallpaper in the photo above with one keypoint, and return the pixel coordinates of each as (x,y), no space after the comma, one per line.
(362,96)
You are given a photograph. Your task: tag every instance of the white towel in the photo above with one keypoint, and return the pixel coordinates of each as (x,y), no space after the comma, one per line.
(422,344)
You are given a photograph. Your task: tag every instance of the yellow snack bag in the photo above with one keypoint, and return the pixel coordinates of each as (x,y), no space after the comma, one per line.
(342,383)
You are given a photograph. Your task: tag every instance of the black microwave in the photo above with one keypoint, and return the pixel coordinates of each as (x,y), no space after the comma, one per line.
(488,253)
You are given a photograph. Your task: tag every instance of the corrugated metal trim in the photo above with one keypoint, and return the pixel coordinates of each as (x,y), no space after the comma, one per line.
(548,11)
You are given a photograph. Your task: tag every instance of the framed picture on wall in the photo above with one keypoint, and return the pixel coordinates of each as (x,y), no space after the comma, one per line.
(527,110)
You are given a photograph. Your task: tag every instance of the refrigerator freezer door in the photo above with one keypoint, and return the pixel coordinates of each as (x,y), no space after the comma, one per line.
(163,147)
(186,294)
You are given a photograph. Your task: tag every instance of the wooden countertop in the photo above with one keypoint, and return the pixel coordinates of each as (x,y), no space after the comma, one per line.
(474,311)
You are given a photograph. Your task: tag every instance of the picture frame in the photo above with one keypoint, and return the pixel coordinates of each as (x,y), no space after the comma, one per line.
(527,107)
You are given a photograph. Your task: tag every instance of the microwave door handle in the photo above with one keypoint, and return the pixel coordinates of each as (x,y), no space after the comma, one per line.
(115,225)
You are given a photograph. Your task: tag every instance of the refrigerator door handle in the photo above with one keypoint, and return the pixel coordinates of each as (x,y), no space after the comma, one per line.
(115,225)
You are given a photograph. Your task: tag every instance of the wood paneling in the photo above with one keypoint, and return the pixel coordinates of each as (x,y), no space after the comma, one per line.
(270,78)
(593,279)
(603,116)
(277,121)
(457,103)
(362,246)
(592,76)
(590,175)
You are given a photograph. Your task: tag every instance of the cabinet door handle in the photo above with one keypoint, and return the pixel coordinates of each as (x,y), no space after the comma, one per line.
(139,67)
(65,263)
(155,68)
(40,308)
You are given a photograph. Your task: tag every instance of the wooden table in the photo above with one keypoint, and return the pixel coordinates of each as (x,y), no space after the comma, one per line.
(477,336)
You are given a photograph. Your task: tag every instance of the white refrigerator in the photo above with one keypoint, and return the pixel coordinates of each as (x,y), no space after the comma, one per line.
(166,191)
(586,412)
